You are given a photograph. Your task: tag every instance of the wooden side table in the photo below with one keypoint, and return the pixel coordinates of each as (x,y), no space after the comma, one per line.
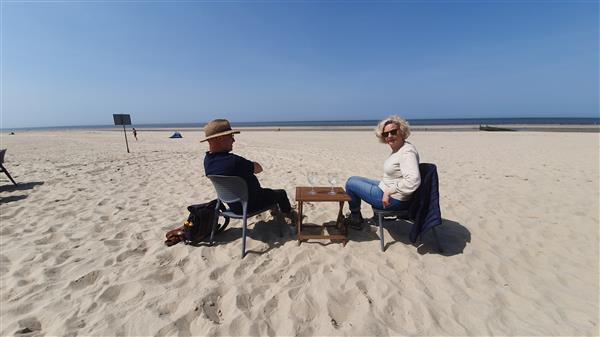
(322,195)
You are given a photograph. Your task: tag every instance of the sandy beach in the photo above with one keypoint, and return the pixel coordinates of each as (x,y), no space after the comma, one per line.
(82,239)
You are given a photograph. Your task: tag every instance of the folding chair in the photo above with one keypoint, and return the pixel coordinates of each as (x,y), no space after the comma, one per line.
(233,189)
(2,168)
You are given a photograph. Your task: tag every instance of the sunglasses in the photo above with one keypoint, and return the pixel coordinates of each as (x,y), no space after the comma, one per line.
(393,132)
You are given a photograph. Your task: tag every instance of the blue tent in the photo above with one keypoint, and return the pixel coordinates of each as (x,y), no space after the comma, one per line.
(176,135)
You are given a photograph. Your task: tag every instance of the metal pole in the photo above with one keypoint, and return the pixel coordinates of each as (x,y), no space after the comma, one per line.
(126,143)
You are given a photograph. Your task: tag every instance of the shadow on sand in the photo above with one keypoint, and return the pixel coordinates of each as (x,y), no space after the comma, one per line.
(19,187)
(272,232)
(452,235)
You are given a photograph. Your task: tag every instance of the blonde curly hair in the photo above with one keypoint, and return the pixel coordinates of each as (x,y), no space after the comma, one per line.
(395,119)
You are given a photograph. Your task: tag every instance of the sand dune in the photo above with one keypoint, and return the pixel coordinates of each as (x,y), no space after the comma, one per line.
(82,236)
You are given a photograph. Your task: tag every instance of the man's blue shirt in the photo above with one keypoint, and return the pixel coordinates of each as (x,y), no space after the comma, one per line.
(229,164)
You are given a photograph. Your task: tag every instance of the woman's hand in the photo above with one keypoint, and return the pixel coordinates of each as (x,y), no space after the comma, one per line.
(385,200)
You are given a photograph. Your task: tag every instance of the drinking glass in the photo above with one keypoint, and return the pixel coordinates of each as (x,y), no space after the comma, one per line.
(312,180)
(332,178)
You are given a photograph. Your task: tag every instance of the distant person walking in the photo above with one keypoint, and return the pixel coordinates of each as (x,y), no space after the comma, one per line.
(135,133)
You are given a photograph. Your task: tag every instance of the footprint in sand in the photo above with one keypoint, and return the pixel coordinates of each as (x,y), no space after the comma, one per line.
(111,293)
(211,307)
(271,306)
(103,202)
(243,301)
(4,264)
(302,276)
(62,257)
(181,326)
(304,312)
(162,277)
(52,273)
(74,323)
(86,280)
(112,243)
(120,235)
(339,304)
(28,325)
(46,239)
(391,313)
(216,273)
(139,251)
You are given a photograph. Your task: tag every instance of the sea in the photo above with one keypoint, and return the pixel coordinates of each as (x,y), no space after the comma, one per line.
(449,122)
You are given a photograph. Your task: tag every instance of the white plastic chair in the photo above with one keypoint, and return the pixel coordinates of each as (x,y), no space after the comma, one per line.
(233,189)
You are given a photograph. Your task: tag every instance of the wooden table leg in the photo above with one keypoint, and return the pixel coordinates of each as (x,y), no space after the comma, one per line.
(340,223)
(299,223)
(340,216)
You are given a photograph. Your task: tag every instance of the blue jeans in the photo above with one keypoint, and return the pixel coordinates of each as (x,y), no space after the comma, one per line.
(360,188)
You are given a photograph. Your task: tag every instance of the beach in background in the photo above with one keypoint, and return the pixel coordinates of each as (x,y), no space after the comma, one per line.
(563,124)
(82,252)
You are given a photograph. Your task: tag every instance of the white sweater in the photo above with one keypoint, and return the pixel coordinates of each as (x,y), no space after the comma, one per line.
(401,173)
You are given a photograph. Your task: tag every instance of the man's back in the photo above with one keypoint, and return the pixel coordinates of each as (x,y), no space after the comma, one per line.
(219,161)
(229,164)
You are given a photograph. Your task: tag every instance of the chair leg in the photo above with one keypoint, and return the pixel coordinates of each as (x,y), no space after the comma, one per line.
(244,238)
(244,233)
(381,231)
(215,222)
(8,174)
(437,241)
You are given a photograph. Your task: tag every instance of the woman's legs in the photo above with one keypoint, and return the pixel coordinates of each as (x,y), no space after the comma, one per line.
(360,188)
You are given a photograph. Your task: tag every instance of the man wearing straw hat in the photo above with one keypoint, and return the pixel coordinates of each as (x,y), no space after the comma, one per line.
(220,161)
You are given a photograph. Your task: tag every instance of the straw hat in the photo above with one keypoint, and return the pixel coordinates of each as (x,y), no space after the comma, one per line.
(216,128)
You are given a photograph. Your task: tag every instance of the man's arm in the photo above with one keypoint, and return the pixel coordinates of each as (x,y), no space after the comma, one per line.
(257,168)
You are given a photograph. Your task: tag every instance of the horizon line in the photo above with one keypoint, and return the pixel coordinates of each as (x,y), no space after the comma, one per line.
(595,119)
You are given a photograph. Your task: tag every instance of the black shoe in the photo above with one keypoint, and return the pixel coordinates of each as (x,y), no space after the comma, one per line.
(355,223)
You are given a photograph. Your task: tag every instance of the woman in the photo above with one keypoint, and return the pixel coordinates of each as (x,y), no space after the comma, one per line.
(400,173)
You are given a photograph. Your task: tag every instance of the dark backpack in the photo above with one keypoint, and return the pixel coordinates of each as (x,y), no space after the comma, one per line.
(198,225)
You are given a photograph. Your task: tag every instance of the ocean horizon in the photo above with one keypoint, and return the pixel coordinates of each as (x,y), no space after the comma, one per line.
(363,122)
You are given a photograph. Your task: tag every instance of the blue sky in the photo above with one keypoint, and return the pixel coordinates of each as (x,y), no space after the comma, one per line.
(77,63)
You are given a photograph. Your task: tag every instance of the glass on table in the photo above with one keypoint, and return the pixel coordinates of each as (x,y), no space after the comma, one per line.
(332,178)
(312,180)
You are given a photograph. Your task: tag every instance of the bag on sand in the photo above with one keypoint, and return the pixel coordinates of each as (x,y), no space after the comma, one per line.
(198,225)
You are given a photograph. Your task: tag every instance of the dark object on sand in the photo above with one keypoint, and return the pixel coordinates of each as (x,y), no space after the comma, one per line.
(176,135)
(493,128)
(199,224)
(2,168)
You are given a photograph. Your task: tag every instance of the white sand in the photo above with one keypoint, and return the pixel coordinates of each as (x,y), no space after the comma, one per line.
(82,248)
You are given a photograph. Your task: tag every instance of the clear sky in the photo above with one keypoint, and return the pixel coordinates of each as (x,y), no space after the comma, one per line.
(77,63)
